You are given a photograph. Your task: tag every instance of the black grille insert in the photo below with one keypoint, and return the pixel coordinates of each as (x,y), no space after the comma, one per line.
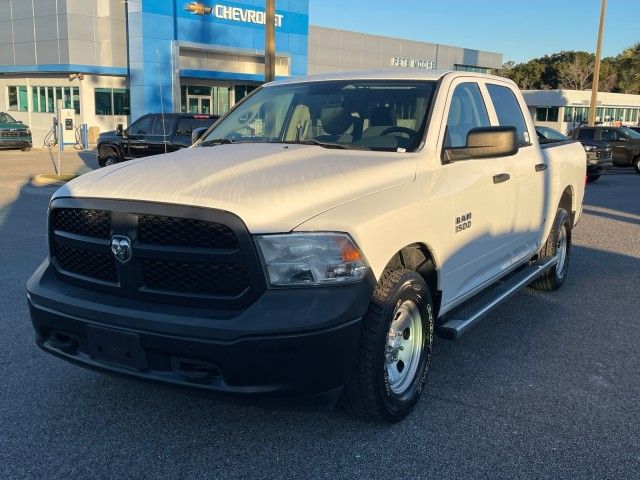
(195,277)
(92,223)
(185,232)
(86,263)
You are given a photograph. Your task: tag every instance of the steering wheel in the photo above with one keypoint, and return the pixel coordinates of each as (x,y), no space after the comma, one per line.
(407,131)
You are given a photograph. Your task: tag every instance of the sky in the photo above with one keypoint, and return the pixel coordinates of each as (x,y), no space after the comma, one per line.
(519,29)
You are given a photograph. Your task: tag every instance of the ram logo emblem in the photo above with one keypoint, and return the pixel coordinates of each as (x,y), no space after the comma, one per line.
(121,248)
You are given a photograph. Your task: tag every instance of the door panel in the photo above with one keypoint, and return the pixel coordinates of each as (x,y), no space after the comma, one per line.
(529,185)
(138,132)
(480,229)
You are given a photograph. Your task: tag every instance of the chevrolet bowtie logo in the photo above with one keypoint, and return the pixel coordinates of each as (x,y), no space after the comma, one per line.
(197,8)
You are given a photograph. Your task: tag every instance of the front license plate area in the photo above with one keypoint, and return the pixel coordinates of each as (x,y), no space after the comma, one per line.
(116,347)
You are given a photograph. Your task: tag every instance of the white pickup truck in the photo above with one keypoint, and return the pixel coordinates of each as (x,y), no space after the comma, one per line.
(309,244)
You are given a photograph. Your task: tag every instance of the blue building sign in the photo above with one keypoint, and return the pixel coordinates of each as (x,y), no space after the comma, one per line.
(203,56)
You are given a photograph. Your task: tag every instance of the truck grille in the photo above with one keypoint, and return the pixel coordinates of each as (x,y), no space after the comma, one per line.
(603,154)
(179,255)
(92,223)
(13,133)
(185,232)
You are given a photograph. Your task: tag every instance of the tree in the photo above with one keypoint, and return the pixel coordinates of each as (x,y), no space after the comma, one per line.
(628,66)
(576,74)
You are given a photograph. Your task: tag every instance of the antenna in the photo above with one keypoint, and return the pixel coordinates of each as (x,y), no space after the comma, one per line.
(164,133)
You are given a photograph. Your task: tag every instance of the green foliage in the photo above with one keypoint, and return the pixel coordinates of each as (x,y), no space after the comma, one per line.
(574,70)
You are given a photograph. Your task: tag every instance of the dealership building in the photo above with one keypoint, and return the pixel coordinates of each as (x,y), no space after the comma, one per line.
(564,110)
(112,61)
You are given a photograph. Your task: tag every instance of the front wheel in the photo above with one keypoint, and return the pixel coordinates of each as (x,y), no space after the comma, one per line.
(394,351)
(557,245)
(636,164)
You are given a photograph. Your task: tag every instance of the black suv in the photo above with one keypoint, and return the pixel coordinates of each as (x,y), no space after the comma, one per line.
(598,153)
(149,135)
(624,143)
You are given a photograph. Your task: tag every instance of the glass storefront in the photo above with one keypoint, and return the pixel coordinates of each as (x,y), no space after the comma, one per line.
(212,99)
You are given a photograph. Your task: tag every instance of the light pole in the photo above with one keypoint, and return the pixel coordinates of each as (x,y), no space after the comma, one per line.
(596,68)
(270,42)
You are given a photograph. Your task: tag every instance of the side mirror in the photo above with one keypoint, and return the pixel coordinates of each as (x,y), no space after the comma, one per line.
(119,130)
(485,142)
(197,133)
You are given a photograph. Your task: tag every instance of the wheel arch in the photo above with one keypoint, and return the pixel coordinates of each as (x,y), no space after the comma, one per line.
(106,148)
(568,202)
(420,258)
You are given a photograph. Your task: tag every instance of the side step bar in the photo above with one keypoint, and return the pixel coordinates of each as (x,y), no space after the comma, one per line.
(460,319)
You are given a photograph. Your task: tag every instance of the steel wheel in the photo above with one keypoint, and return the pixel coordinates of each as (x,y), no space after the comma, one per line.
(404,347)
(561,251)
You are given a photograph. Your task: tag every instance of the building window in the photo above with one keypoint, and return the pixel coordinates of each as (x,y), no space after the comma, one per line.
(547,114)
(45,99)
(112,101)
(568,114)
(18,99)
(471,68)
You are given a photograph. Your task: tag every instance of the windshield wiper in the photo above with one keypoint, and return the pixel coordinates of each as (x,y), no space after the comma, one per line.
(344,146)
(216,141)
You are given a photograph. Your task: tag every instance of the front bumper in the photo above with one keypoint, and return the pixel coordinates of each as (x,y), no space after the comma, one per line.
(297,345)
(16,143)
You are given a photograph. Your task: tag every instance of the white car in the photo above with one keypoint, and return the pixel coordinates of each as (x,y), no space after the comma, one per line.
(307,247)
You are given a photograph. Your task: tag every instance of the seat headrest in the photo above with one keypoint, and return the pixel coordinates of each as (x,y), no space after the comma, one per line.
(335,120)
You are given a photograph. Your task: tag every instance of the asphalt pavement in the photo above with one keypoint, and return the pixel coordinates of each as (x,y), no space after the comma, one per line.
(547,387)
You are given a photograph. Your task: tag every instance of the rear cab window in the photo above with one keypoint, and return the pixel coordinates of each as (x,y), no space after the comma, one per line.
(508,111)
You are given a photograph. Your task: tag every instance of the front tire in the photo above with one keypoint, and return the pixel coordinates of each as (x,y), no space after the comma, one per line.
(558,245)
(394,351)
(636,164)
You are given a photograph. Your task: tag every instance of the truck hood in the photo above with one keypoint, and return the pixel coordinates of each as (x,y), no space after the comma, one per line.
(13,126)
(271,187)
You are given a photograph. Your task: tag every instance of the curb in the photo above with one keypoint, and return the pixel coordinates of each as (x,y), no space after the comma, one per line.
(52,180)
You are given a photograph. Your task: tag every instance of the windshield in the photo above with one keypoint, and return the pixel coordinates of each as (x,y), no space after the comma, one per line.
(364,114)
(550,133)
(630,133)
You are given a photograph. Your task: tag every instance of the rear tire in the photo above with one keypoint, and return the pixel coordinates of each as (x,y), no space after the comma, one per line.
(557,245)
(395,349)
(26,149)
(636,164)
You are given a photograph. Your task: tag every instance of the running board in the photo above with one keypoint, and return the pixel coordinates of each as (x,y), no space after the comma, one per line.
(461,318)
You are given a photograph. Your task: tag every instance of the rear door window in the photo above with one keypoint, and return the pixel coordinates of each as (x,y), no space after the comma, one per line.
(586,134)
(187,124)
(509,111)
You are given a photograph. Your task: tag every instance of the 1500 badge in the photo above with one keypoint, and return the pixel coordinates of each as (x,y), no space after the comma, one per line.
(463,222)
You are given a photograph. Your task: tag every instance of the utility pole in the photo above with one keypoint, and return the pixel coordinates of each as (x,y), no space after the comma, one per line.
(596,68)
(270,42)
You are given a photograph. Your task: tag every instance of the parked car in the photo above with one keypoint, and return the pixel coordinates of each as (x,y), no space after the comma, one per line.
(624,143)
(598,153)
(14,134)
(150,135)
(312,242)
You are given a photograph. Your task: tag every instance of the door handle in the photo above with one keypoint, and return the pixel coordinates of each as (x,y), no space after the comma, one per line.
(540,167)
(501,177)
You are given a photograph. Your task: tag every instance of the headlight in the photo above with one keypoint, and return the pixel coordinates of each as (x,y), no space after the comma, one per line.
(312,259)
(589,148)
(27,132)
